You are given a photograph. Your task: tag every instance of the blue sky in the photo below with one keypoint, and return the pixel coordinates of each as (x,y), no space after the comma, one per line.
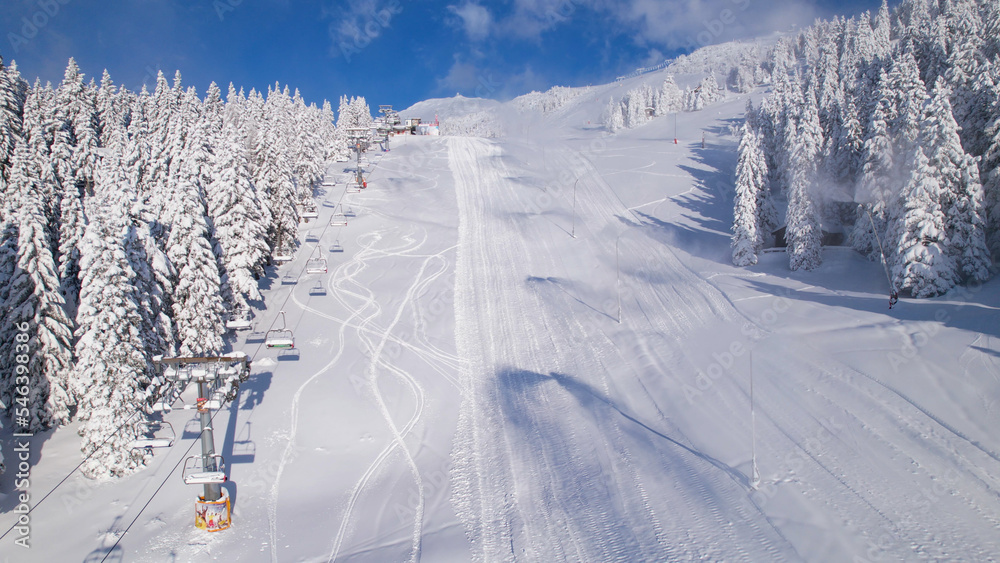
(390,51)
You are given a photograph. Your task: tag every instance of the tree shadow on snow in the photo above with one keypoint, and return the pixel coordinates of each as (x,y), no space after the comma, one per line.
(518,395)
(951,310)
(703,242)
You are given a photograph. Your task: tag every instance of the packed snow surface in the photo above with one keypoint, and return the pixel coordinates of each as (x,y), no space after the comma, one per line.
(536,349)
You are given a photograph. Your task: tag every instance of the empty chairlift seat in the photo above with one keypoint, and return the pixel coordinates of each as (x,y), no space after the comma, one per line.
(153,434)
(339,220)
(204,470)
(279,338)
(318,289)
(240,319)
(316,266)
(337,247)
(308,212)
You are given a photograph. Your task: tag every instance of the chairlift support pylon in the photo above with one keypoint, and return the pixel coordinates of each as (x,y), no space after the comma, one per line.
(218,379)
(280,337)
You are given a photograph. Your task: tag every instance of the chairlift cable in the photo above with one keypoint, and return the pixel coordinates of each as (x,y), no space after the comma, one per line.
(183,457)
(128,419)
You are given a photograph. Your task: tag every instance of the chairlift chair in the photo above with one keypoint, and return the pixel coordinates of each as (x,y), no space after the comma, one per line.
(281,257)
(336,246)
(349,212)
(288,279)
(240,319)
(204,470)
(309,212)
(339,220)
(318,289)
(316,266)
(153,434)
(280,337)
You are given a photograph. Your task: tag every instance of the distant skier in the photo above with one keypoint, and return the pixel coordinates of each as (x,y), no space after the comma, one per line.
(893,298)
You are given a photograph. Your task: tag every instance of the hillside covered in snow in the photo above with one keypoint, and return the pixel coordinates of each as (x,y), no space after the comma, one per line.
(525,339)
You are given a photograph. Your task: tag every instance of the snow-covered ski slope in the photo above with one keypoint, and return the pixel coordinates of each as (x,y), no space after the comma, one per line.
(462,388)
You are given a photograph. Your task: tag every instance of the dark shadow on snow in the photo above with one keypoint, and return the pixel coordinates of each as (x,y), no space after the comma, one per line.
(515,384)
(949,310)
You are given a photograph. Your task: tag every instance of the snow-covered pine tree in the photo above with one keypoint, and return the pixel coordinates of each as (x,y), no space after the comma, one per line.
(749,227)
(236,212)
(39,129)
(154,274)
(908,95)
(671,97)
(877,179)
(991,31)
(963,28)
(989,168)
(109,114)
(962,195)
(916,234)
(8,265)
(35,297)
(11,112)
(804,233)
(968,216)
(882,31)
(161,109)
(197,301)
(77,105)
(35,302)
(113,370)
(71,219)
(613,119)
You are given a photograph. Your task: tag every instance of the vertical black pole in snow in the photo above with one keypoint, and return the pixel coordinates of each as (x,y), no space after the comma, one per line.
(213,491)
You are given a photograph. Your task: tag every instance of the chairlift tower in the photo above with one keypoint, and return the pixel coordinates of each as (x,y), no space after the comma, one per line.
(358,137)
(389,119)
(218,379)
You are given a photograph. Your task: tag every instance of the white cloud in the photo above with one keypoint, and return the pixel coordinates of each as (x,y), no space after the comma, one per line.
(476,20)
(663,23)
(476,81)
